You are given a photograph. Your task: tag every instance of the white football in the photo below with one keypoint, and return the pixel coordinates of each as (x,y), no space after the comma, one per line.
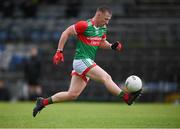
(133,83)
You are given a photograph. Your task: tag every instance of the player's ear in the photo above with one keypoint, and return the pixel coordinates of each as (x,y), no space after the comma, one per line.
(98,14)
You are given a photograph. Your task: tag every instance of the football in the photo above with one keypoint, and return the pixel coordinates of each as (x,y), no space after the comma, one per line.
(133,83)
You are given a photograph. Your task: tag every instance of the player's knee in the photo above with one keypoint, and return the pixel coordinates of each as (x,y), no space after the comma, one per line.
(106,78)
(72,95)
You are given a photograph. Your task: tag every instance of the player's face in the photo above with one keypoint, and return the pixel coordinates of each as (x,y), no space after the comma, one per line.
(104,18)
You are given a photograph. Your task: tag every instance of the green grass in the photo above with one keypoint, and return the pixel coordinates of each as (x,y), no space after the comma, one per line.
(90,115)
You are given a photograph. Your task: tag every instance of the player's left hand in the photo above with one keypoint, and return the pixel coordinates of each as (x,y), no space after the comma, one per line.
(117,46)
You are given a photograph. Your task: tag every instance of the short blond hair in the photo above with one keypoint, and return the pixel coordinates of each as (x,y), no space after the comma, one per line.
(104,9)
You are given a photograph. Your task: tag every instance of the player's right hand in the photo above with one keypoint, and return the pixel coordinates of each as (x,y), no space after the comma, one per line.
(58,57)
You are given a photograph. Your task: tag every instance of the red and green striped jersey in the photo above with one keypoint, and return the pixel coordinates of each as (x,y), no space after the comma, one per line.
(89,38)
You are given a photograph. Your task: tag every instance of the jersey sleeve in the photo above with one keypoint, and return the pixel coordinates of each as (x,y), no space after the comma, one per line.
(80,27)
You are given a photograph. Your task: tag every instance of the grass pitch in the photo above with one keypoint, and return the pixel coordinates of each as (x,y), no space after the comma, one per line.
(90,115)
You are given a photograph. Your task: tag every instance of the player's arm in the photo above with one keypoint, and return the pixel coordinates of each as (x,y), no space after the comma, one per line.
(75,29)
(64,37)
(117,46)
(58,57)
(104,44)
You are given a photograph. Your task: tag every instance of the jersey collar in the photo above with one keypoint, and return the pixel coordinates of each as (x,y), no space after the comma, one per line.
(92,21)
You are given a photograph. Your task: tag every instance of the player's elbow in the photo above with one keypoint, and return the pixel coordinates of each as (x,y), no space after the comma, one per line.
(69,31)
(65,34)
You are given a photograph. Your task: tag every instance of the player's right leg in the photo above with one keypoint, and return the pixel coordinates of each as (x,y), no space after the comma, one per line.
(76,87)
(129,98)
(98,74)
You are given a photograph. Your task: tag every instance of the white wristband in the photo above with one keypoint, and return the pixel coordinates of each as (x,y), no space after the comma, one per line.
(59,49)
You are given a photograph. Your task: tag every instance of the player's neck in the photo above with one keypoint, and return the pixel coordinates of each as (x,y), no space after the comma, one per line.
(94,20)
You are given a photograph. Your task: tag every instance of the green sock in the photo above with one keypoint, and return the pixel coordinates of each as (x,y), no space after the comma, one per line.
(50,100)
(121,94)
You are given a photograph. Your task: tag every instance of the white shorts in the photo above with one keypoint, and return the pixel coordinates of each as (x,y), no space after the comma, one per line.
(81,67)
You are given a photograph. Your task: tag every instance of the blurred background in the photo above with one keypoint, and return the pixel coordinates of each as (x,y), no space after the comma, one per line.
(29,34)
